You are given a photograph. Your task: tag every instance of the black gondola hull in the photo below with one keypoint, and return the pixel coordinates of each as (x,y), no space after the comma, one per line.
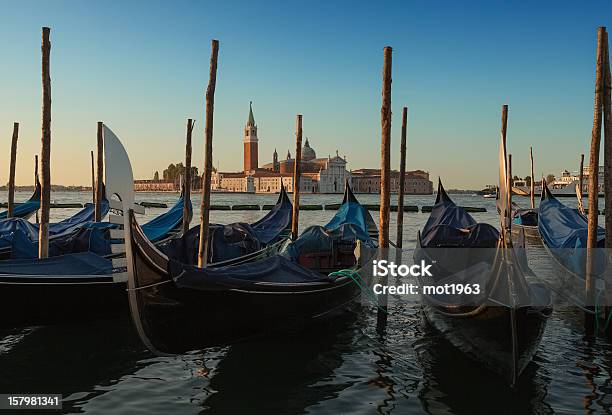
(28,303)
(172,319)
(486,337)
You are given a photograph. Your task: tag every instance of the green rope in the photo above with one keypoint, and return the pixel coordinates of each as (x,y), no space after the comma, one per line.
(361,283)
(607,323)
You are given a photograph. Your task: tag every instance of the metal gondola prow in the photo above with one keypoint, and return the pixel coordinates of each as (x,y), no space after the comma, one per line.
(348,193)
(119,180)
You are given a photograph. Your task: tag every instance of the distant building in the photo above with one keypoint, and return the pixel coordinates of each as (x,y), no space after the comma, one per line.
(318,175)
(368,181)
(155,186)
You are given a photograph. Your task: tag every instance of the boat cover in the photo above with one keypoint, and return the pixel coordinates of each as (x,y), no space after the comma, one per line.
(21,236)
(27,208)
(564,230)
(352,222)
(525,217)
(271,227)
(271,269)
(159,227)
(235,239)
(91,236)
(450,225)
(79,264)
(226,242)
(80,218)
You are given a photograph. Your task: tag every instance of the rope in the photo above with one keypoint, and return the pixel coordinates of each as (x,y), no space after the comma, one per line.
(608,319)
(361,284)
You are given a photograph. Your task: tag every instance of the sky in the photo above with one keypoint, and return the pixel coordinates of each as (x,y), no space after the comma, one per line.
(142,68)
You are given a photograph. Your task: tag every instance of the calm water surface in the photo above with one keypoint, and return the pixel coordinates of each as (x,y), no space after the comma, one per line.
(344,366)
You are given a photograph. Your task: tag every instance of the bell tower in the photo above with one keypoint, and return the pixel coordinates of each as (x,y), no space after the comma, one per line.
(250,142)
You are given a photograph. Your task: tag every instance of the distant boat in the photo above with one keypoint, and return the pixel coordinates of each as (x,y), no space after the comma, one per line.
(570,190)
(490,196)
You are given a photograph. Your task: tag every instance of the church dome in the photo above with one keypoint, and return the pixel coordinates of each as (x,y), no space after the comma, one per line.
(307,152)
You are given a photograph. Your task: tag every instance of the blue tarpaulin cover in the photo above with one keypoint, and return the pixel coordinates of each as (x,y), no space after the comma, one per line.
(564,230)
(233,240)
(352,222)
(21,236)
(159,227)
(83,263)
(271,269)
(450,225)
(525,217)
(271,227)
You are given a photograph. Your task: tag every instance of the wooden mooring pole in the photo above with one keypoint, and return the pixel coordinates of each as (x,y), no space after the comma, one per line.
(589,287)
(187,182)
(580,184)
(295,217)
(385,169)
(93,180)
(607,121)
(504,131)
(36,180)
(100,173)
(45,154)
(532,184)
(581,176)
(402,181)
(203,247)
(385,182)
(510,184)
(11,183)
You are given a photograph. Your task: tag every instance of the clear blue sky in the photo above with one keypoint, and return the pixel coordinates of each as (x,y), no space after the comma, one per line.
(142,68)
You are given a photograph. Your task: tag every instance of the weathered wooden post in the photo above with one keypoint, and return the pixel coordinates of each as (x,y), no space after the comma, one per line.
(594,180)
(36,180)
(510,183)
(402,181)
(607,125)
(504,130)
(532,185)
(187,184)
(45,154)
(100,173)
(93,180)
(295,217)
(607,120)
(385,181)
(203,247)
(385,170)
(11,183)
(581,175)
(580,184)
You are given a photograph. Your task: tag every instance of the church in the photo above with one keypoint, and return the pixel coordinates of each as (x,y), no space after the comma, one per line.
(318,175)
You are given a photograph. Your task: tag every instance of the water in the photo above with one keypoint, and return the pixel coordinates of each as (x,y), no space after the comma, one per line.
(344,366)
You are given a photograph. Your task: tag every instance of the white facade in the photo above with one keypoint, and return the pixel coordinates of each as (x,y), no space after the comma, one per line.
(332,177)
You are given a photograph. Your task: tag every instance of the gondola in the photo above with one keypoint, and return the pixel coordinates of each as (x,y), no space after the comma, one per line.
(19,237)
(564,232)
(502,326)
(89,279)
(180,306)
(234,242)
(79,233)
(26,209)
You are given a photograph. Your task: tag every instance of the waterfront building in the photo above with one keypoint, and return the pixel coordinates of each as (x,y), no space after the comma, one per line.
(155,186)
(318,175)
(368,181)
